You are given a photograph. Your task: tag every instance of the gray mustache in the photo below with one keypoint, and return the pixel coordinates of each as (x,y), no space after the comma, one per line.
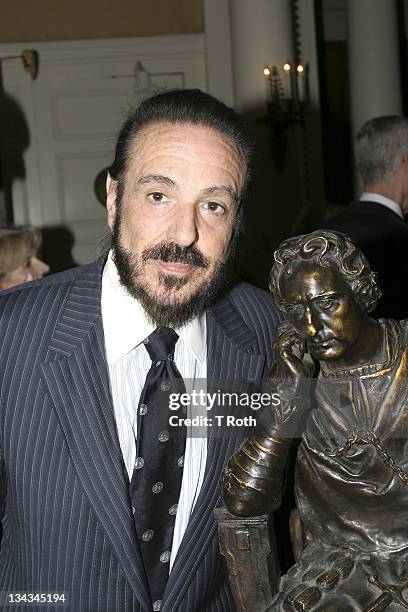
(173,253)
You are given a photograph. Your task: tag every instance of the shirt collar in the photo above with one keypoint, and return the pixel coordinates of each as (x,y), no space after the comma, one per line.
(126,325)
(367,196)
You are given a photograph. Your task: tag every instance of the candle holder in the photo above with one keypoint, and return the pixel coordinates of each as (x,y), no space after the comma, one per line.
(287,104)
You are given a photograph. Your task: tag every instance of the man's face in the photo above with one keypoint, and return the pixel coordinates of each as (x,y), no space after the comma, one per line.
(178,210)
(322,308)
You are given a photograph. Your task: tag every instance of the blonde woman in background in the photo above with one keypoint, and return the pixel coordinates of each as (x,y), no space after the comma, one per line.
(18,256)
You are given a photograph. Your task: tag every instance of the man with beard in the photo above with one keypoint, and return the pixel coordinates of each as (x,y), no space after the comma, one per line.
(100,498)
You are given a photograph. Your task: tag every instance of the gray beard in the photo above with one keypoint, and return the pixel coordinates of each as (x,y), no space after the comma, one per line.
(173,315)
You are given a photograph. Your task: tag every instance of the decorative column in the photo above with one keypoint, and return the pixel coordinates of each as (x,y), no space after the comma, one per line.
(261,33)
(374,63)
(242,36)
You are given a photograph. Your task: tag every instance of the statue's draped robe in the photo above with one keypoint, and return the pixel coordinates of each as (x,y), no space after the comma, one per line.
(353,505)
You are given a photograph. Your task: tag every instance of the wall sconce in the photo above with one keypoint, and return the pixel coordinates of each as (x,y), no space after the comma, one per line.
(287,104)
(29,58)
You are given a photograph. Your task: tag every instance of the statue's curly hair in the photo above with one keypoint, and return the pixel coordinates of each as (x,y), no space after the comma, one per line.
(327,249)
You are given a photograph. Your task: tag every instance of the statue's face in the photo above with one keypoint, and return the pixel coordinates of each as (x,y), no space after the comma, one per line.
(322,308)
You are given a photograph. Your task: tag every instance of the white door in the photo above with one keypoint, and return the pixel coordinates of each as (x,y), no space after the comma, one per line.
(73,111)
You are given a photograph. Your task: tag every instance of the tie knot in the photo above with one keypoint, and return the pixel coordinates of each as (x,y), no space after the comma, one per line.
(161,343)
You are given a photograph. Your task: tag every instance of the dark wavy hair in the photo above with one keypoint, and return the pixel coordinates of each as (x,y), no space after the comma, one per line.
(327,249)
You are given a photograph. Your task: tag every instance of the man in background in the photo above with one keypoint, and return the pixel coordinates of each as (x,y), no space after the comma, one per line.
(376,221)
(99,498)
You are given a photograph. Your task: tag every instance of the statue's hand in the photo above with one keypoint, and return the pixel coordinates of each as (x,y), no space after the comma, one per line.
(291,380)
(290,351)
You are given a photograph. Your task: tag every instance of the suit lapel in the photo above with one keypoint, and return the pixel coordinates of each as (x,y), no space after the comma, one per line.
(232,354)
(76,376)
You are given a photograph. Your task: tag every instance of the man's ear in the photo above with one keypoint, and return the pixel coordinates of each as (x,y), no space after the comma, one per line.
(111,188)
(403,166)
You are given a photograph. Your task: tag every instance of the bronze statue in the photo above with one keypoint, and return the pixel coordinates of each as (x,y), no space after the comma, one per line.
(351,482)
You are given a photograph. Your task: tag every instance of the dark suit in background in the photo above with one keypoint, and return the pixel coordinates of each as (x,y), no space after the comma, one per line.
(383,237)
(67,519)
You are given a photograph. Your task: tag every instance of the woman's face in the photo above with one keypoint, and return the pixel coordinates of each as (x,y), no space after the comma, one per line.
(33,268)
(38,267)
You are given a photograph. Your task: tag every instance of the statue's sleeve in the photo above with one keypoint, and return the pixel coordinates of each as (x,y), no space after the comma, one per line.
(252,483)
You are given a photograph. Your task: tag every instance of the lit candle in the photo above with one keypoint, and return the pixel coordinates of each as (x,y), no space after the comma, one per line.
(287,69)
(293,84)
(267,75)
(300,70)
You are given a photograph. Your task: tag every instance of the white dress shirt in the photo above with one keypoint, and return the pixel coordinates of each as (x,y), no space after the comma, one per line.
(367,196)
(125,327)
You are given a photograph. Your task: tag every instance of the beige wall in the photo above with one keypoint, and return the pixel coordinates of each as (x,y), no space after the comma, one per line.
(43,20)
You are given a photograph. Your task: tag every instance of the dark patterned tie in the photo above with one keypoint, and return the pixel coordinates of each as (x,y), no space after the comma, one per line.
(156,481)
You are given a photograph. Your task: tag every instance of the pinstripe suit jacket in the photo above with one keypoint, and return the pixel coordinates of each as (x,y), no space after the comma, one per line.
(66,515)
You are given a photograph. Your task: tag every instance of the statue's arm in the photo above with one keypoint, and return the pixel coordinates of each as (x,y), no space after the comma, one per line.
(252,483)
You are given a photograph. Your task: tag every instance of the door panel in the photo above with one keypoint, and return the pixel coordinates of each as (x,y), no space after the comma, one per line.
(72,112)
